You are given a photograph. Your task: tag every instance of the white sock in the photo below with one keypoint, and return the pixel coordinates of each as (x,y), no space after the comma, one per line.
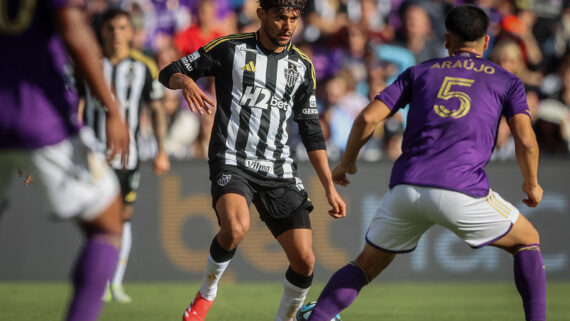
(212,275)
(126,242)
(291,300)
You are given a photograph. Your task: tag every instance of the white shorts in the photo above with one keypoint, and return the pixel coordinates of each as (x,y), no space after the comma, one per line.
(75,181)
(407,211)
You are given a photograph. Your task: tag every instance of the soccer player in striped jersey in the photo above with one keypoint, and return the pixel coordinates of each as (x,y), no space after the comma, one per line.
(455,107)
(132,78)
(262,80)
(39,133)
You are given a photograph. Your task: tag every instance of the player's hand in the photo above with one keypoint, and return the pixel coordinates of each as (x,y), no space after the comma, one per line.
(29,178)
(338,209)
(117,138)
(534,194)
(195,97)
(339,174)
(161,163)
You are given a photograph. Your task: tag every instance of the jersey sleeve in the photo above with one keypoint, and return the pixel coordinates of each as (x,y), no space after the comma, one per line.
(197,64)
(152,89)
(306,113)
(398,94)
(515,100)
(200,63)
(305,104)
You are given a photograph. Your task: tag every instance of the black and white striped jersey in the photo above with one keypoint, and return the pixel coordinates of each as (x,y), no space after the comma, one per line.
(257,91)
(133,82)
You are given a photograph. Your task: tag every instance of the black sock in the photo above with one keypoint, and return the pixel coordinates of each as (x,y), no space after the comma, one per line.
(218,253)
(297,279)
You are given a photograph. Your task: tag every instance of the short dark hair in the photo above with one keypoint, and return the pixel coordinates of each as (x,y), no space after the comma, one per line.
(292,4)
(112,13)
(468,22)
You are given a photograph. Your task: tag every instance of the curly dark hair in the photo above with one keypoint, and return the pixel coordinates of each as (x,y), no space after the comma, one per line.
(283,4)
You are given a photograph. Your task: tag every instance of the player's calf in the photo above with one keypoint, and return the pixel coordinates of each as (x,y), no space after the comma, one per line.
(95,266)
(530,280)
(522,241)
(295,289)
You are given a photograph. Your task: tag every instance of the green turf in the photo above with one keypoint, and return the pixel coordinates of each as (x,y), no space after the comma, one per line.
(258,301)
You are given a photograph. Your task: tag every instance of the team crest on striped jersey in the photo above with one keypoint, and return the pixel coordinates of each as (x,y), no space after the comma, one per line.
(292,75)
(224,179)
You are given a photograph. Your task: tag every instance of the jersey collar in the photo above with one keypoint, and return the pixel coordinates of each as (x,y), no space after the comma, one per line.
(466,54)
(269,52)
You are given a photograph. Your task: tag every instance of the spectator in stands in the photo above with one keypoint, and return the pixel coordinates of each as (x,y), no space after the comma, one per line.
(518,28)
(183,127)
(562,34)
(508,54)
(349,51)
(344,104)
(417,34)
(199,149)
(323,18)
(247,17)
(371,17)
(203,31)
(553,124)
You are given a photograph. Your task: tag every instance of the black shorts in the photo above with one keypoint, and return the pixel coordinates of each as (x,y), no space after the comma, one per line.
(129,179)
(282,206)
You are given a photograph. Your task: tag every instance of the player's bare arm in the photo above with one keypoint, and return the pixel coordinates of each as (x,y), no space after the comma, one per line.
(526,149)
(362,129)
(195,97)
(82,46)
(320,163)
(161,162)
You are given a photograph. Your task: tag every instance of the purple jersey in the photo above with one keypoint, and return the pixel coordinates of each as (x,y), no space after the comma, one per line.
(455,107)
(36,102)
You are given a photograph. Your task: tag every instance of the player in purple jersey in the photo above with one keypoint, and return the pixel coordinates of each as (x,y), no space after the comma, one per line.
(39,134)
(455,107)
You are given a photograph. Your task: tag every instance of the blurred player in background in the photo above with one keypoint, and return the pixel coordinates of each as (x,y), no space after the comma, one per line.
(40,136)
(262,80)
(132,78)
(455,107)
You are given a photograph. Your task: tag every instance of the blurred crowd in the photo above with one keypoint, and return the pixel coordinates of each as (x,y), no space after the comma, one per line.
(358,47)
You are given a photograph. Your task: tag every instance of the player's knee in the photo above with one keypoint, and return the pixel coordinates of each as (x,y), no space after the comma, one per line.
(527,234)
(235,231)
(532,237)
(373,261)
(108,222)
(104,236)
(127,212)
(303,263)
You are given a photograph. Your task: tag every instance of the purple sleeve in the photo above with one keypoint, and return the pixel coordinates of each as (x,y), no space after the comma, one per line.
(397,95)
(515,100)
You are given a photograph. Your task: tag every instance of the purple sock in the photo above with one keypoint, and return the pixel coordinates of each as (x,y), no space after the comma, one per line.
(531,282)
(339,293)
(95,266)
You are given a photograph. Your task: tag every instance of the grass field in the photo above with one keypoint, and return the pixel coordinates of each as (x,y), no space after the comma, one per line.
(258,301)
